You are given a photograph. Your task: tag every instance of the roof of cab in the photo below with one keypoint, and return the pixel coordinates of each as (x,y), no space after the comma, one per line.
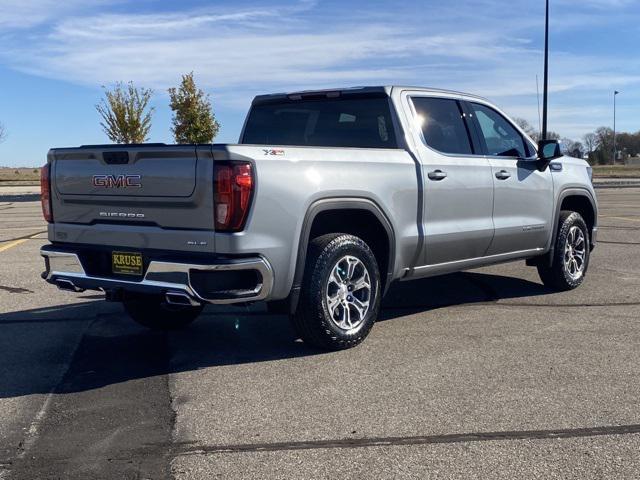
(365,90)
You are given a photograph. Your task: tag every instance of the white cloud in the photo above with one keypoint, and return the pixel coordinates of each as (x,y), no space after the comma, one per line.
(236,49)
(24,14)
(243,51)
(603,4)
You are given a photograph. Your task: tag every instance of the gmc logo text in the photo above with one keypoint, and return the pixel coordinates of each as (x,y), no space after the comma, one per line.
(117,181)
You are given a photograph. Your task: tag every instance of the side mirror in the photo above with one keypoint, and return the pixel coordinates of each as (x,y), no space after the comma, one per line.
(548,150)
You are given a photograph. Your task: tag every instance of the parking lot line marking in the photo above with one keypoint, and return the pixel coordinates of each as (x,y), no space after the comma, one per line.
(31,236)
(15,243)
(22,228)
(621,218)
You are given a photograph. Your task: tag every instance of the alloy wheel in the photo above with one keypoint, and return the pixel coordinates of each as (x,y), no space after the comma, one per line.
(575,252)
(348,293)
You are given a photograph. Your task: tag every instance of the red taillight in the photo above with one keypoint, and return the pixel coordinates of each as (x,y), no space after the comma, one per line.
(233,189)
(45,192)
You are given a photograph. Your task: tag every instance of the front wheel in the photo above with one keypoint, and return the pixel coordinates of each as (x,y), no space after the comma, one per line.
(153,312)
(571,254)
(340,295)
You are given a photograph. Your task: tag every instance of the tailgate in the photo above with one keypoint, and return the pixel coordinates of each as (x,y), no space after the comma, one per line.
(153,185)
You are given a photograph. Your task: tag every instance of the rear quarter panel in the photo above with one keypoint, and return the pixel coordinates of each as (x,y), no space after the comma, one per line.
(290,179)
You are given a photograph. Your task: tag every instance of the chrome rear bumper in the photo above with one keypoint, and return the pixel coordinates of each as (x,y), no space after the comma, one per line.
(65,269)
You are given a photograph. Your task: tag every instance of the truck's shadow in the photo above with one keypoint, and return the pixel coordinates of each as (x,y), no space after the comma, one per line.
(36,344)
(462,288)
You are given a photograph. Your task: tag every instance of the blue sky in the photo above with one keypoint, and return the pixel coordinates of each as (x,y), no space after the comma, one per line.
(55,56)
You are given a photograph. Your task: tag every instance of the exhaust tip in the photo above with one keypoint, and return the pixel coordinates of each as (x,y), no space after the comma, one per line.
(68,286)
(180,299)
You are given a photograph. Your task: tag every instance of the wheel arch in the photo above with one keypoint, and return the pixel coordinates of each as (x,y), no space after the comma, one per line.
(581,201)
(325,215)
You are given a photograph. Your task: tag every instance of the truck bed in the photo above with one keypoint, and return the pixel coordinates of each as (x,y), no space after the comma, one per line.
(171,213)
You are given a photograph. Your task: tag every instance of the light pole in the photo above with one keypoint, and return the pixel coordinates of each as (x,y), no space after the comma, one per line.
(546,72)
(615,93)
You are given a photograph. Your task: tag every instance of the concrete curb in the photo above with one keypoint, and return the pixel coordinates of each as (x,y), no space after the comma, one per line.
(29,197)
(614,184)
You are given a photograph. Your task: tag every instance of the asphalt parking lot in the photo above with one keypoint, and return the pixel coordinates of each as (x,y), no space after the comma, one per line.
(483,374)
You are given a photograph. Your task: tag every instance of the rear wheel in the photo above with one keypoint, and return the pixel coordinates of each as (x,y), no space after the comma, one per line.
(571,254)
(153,312)
(340,296)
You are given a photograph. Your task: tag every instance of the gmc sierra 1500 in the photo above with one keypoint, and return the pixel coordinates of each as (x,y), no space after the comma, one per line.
(328,198)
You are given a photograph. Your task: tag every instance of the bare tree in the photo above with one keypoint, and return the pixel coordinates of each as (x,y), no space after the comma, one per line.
(3,132)
(577,150)
(590,142)
(553,135)
(571,148)
(605,144)
(532,132)
(126,114)
(629,143)
(527,127)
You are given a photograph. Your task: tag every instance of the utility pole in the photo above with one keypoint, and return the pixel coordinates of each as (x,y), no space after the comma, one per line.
(546,74)
(615,93)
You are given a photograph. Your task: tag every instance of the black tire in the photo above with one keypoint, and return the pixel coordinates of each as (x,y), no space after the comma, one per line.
(153,312)
(558,276)
(313,321)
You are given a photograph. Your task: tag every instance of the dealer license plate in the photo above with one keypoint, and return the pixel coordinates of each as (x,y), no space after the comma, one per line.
(126,263)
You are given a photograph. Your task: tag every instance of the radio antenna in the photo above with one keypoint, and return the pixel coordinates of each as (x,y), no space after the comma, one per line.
(538,96)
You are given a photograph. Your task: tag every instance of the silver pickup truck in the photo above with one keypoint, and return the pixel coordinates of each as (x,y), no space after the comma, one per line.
(329,197)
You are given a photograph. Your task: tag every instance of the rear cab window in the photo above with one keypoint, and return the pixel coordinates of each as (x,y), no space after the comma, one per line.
(363,122)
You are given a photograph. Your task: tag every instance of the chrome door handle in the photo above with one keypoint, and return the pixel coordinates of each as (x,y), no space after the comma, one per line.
(502,175)
(437,175)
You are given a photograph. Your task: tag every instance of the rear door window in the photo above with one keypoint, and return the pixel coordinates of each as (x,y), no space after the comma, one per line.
(443,126)
(342,122)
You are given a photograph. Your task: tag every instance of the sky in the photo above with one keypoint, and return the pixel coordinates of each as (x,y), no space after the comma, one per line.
(56,56)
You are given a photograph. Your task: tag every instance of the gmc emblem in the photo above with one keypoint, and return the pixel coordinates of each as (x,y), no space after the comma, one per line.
(117,181)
